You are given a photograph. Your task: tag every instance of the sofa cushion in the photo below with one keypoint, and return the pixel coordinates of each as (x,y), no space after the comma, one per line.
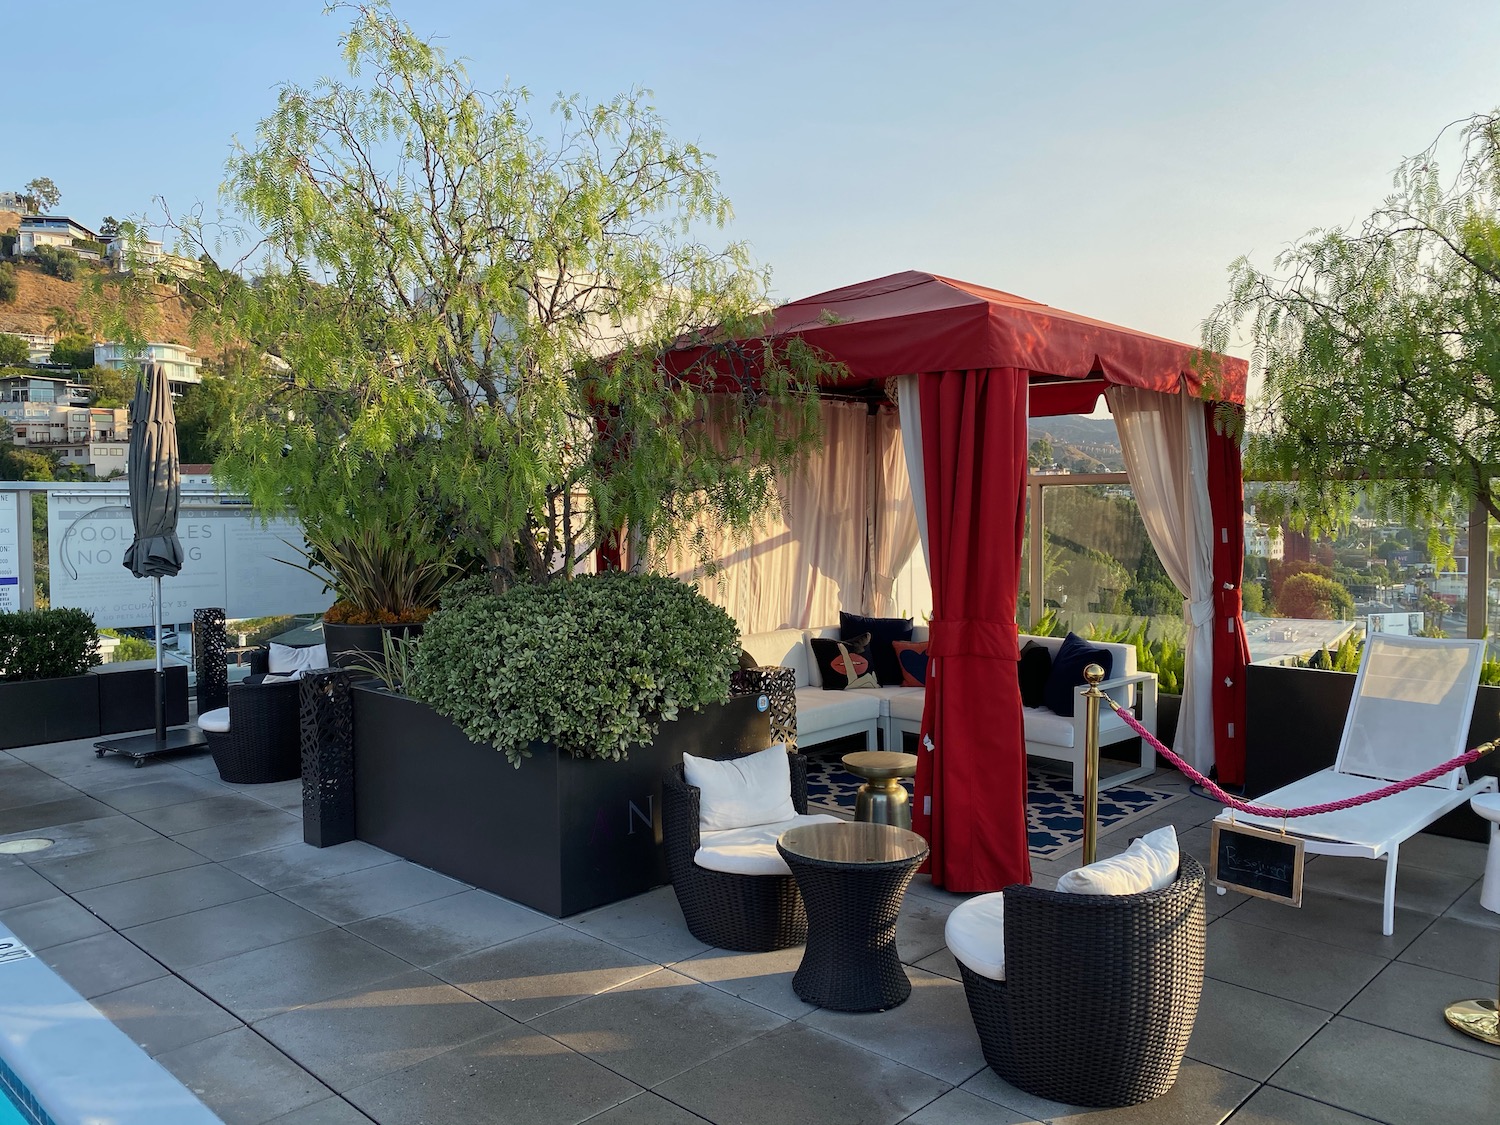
(818,710)
(1046,726)
(1033,671)
(291,658)
(1149,864)
(975,934)
(912,658)
(782,647)
(752,850)
(904,703)
(739,792)
(1068,664)
(844,663)
(884,631)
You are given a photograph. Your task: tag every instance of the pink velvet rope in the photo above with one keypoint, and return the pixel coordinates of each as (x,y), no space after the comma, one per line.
(1305,810)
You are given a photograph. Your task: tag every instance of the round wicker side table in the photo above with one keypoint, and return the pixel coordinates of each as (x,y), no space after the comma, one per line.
(852,877)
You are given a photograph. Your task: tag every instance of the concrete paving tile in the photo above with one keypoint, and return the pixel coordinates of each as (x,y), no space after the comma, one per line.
(449,927)
(254,832)
(761,978)
(81,837)
(372,892)
(1335,920)
(657,1025)
(21,786)
(919,927)
(242,1078)
(201,764)
(1294,968)
(959,1107)
(265,982)
(294,864)
(1454,946)
(62,759)
(206,812)
(137,901)
(1202,1095)
(1248,1032)
(646,1108)
(117,864)
(1270,1106)
(329,1111)
(932,1031)
(44,814)
(137,794)
(1392,1077)
(222,931)
(103,963)
(51,921)
(650,926)
(1417,888)
(1467,909)
(922,885)
(164,1014)
(1218,904)
(542,971)
(510,1077)
(19,885)
(796,1075)
(1411,999)
(1443,853)
(373,1031)
(943,963)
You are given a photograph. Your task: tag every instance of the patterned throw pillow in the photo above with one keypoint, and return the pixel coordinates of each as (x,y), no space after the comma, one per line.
(882,632)
(912,657)
(845,663)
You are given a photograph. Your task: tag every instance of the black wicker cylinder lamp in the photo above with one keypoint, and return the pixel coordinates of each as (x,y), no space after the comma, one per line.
(327,759)
(210,642)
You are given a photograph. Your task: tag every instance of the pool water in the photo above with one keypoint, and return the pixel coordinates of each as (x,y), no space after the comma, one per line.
(10,1113)
(13,1099)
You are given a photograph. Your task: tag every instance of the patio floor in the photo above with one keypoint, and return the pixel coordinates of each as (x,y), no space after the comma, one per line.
(288,984)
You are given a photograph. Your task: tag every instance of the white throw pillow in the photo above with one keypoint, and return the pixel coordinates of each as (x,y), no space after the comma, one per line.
(975,934)
(290,658)
(755,789)
(1149,864)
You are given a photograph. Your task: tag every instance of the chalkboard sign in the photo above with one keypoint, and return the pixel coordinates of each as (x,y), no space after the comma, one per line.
(1256,861)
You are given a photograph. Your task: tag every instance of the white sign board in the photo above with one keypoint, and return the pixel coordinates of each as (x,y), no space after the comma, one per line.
(1396,624)
(229,560)
(10,552)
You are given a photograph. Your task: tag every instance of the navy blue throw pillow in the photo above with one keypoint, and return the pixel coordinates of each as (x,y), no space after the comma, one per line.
(1072,658)
(1033,671)
(883,631)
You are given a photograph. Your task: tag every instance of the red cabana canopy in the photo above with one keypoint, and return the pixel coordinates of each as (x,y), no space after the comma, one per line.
(985,360)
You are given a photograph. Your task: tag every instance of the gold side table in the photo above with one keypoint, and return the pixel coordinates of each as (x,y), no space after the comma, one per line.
(1481,1018)
(882,799)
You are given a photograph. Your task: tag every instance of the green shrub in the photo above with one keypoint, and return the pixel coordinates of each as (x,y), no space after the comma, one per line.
(42,644)
(133,648)
(589,665)
(1166,655)
(61,264)
(9,286)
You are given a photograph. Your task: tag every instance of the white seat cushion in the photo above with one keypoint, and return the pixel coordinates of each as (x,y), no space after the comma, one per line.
(817,709)
(752,850)
(741,792)
(905,703)
(782,647)
(975,934)
(1043,725)
(289,658)
(215,721)
(1149,864)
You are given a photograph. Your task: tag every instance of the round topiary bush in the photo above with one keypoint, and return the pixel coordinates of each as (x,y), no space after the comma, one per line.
(591,665)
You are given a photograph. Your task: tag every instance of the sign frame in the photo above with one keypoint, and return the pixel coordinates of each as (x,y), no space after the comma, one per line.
(1222,829)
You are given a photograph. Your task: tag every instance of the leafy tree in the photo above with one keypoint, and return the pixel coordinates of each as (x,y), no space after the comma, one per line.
(109,228)
(1379,346)
(13,350)
(1253,597)
(75,351)
(1314,596)
(109,388)
(1040,452)
(61,264)
(9,285)
(43,194)
(478,262)
(202,408)
(65,321)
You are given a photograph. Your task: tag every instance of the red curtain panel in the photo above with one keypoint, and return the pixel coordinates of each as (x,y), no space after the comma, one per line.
(1226,494)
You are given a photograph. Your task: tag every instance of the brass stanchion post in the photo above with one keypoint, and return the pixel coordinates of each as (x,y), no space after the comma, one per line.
(1093,674)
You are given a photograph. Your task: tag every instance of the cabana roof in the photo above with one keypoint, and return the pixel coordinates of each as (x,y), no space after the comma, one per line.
(914,322)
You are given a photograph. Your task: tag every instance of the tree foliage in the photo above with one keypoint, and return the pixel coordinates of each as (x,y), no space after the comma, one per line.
(1314,596)
(74,350)
(13,350)
(42,193)
(9,285)
(1379,345)
(61,264)
(442,275)
(109,388)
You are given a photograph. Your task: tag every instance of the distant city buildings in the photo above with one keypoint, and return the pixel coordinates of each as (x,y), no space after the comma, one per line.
(51,415)
(1261,542)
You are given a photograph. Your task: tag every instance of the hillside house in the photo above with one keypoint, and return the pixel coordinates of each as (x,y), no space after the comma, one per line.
(182,363)
(51,230)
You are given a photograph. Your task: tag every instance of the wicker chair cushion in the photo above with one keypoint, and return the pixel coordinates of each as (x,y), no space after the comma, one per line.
(750,851)
(742,792)
(1149,864)
(215,721)
(290,658)
(975,934)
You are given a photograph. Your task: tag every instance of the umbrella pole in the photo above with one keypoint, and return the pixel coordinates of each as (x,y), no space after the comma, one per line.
(161,685)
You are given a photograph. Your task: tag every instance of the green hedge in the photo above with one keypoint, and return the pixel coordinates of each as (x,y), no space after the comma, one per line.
(589,665)
(44,644)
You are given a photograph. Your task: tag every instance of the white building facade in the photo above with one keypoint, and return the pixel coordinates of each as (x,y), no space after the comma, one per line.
(182,363)
(50,230)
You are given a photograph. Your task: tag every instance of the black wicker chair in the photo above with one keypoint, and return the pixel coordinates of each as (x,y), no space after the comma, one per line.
(1100,992)
(748,913)
(264,740)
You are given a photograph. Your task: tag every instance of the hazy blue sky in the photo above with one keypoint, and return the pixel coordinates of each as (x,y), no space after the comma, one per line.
(1109,158)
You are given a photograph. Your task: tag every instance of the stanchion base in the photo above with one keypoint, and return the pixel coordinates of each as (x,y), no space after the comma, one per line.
(1478,1018)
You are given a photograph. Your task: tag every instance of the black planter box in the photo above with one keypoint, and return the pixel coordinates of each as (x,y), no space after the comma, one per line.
(1294,719)
(127,695)
(34,711)
(560,834)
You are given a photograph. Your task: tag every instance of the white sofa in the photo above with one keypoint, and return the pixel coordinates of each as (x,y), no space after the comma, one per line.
(896,711)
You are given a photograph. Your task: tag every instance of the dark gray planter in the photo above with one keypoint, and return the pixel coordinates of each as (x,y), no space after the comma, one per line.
(1294,719)
(34,711)
(360,644)
(560,834)
(127,695)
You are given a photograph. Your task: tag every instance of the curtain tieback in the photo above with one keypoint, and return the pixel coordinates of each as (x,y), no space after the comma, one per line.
(1199,613)
(970,637)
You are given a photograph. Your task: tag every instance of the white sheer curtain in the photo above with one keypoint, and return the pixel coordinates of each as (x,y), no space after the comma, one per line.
(1165,445)
(806,561)
(909,403)
(895,531)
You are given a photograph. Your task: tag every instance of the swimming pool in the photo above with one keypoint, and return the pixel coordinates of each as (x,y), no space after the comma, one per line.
(17,1104)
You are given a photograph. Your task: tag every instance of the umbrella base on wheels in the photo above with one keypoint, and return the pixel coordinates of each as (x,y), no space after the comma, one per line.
(143,746)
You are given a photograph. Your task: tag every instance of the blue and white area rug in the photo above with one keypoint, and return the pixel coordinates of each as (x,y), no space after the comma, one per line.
(1054,815)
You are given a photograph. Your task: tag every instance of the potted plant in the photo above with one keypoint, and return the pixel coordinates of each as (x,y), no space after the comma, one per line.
(528,754)
(46,692)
